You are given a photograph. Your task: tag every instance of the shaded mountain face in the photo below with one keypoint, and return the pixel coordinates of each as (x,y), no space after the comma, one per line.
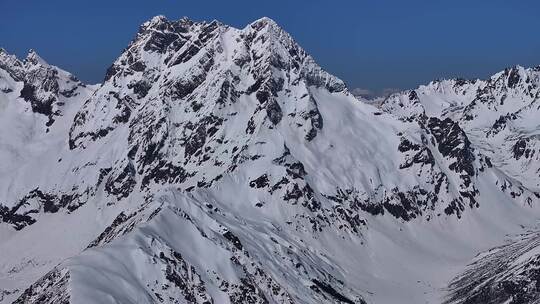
(223,165)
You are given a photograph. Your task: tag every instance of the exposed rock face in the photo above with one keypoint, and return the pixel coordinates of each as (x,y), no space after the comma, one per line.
(218,165)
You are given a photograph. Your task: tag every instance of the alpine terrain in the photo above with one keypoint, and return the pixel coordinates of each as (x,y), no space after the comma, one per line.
(223,165)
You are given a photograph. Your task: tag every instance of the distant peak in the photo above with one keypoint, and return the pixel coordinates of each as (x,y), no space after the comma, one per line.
(34,58)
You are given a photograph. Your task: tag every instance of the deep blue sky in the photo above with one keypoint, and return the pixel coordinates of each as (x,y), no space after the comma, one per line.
(369,44)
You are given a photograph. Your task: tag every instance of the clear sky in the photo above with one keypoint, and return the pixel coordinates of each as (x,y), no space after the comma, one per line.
(373,44)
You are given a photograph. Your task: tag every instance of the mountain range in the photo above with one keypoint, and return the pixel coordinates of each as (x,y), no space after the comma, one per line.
(223,165)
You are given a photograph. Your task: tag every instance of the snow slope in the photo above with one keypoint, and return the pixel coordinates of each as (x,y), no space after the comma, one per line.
(223,165)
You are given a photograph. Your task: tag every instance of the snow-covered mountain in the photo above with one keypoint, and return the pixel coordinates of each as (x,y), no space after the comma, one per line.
(223,165)
(499,116)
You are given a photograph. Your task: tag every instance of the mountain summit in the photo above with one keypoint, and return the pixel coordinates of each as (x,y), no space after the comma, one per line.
(223,165)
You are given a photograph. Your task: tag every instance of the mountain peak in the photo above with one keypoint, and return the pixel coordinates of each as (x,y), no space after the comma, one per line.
(4,54)
(34,58)
(155,20)
(265,21)
(185,19)
(161,22)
